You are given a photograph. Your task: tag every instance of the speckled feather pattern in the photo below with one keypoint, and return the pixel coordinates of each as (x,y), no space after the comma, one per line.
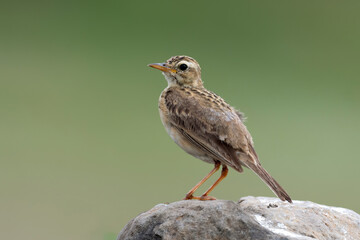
(202,114)
(204,125)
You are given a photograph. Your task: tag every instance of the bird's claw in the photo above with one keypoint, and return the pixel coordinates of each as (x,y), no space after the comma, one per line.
(201,198)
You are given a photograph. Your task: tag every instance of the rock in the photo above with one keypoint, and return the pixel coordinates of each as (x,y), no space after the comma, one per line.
(250,218)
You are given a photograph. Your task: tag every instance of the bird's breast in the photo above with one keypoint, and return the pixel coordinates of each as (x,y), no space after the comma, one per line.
(178,137)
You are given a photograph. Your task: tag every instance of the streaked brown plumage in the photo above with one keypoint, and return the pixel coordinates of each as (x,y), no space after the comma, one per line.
(205,126)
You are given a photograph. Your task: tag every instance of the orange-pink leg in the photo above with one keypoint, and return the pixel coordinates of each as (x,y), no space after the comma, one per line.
(205,196)
(189,195)
(224,173)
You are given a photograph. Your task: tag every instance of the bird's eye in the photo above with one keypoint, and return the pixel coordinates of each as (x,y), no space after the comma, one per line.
(183,67)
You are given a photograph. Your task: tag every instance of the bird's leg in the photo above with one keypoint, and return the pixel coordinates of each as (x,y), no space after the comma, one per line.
(205,196)
(189,195)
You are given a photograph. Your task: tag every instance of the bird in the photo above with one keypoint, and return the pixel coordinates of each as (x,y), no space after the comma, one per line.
(206,127)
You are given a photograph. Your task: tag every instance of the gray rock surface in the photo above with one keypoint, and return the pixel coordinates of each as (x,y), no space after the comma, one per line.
(250,218)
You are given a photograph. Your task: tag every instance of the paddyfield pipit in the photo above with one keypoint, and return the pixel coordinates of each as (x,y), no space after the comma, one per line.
(205,126)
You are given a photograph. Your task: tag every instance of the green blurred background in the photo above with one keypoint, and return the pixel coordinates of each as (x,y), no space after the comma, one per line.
(82,148)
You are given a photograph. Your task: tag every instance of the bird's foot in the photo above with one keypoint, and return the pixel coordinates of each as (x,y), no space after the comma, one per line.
(201,198)
(206,198)
(189,197)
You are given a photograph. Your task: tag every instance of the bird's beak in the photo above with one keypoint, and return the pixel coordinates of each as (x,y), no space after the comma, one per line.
(161,67)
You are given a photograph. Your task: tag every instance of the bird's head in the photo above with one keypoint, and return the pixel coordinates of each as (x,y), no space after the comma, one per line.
(181,71)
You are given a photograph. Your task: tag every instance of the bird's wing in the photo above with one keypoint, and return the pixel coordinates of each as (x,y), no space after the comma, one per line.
(210,123)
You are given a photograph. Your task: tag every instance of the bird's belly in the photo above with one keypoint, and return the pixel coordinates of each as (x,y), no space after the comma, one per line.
(179,139)
(187,146)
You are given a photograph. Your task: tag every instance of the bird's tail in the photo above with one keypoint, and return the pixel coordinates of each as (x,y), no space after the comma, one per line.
(270,181)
